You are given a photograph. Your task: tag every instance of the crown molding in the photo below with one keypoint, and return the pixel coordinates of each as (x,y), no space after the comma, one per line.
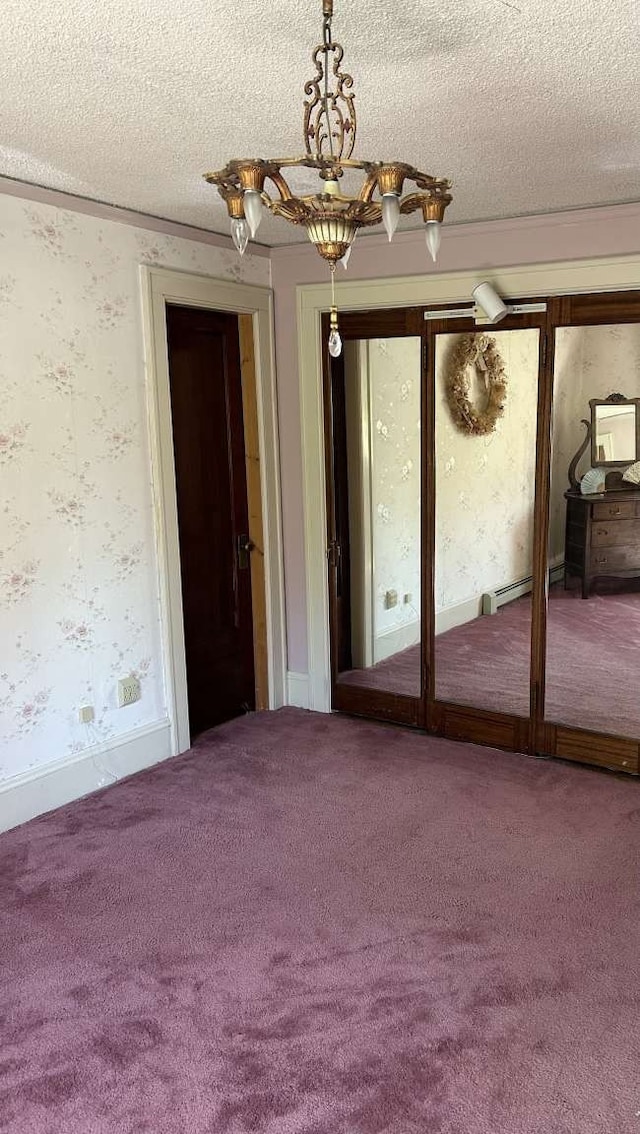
(29,191)
(593,215)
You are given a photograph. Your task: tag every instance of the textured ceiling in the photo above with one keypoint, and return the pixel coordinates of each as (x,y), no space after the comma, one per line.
(526,105)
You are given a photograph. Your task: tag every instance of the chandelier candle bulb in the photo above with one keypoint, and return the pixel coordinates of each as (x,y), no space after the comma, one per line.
(347,256)
(253,209)
(433,234)
(390,213)
(240,233)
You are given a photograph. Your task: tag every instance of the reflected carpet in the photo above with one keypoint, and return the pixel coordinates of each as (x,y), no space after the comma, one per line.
(593,647)
(316,925)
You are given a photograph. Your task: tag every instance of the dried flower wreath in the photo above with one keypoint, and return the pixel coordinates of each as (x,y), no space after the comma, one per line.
(481,352)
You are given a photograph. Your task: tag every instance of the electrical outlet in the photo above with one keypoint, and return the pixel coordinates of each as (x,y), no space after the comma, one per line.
(86,714)
(128,691)
(407,598)
(390,599)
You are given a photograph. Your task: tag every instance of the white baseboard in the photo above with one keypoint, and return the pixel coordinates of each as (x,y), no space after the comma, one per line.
(463,612)
(396,639)
(452,616)
(32,793)
(298,689)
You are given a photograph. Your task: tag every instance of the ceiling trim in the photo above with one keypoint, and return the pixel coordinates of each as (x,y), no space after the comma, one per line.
(593,214)
(59,199)
(90,206)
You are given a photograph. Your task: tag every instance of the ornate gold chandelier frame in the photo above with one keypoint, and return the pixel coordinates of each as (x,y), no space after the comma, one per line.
(332,219)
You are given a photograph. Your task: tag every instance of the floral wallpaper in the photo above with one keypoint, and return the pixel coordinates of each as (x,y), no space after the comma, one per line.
(78,581)
(590,362)
(394,392)
(485,485)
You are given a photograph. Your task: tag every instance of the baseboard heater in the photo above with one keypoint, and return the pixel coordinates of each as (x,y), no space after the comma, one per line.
(492,600)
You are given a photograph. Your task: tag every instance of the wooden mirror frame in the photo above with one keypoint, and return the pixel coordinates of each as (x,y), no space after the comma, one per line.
(613,400)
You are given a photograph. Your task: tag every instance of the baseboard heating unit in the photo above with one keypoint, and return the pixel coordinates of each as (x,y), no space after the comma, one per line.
(493,600)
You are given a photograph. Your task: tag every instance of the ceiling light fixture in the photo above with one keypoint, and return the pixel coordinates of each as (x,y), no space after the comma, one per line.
(331,218)
(488,301)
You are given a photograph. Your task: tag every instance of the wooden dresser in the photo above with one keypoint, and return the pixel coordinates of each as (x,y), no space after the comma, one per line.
(602,536)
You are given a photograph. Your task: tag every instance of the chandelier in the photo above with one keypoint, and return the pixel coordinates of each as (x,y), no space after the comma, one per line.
(331,218)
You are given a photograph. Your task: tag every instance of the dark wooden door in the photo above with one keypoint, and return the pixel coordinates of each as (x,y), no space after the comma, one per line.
(341,507)
(211,489)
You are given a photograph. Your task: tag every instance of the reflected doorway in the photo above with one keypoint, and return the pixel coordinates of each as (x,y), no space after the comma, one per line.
(374,446)
(377,441)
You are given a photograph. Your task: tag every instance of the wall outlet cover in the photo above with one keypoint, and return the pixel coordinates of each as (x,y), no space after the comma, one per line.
(86,714)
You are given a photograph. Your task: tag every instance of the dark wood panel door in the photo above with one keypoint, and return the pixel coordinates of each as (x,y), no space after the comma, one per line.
(341,507)
(211,489)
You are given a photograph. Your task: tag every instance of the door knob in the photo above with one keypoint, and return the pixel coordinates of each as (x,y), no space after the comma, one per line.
(244,546)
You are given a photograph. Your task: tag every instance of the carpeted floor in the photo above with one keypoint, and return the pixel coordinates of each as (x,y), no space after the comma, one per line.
(592,655)
(316,925)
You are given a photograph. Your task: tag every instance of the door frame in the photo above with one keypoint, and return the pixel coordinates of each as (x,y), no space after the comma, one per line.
(159,287)
(618,273)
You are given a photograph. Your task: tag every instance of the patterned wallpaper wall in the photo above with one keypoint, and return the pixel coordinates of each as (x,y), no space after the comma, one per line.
(78,582)
(485,485)
(590,362)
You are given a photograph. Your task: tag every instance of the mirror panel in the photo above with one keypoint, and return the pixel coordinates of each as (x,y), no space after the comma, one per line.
(378,510)
(485,490)
(593,624)
(614,427)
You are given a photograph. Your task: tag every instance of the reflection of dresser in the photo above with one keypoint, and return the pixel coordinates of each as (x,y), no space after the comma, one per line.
(602,535)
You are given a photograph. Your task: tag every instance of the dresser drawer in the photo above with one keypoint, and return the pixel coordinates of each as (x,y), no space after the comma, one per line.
(616,533)
(614,559)
(616,510)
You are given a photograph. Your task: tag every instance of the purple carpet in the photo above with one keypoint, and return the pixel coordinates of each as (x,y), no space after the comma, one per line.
(592,660)
(319,925)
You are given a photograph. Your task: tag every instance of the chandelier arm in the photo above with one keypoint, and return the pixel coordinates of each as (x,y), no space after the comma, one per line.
(412,202)
(368,189)
(281,185)
(425,181)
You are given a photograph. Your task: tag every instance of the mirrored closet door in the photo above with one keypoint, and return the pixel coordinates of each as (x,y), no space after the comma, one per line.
(593,619)
(486,412)
(483,524)
(374,439)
